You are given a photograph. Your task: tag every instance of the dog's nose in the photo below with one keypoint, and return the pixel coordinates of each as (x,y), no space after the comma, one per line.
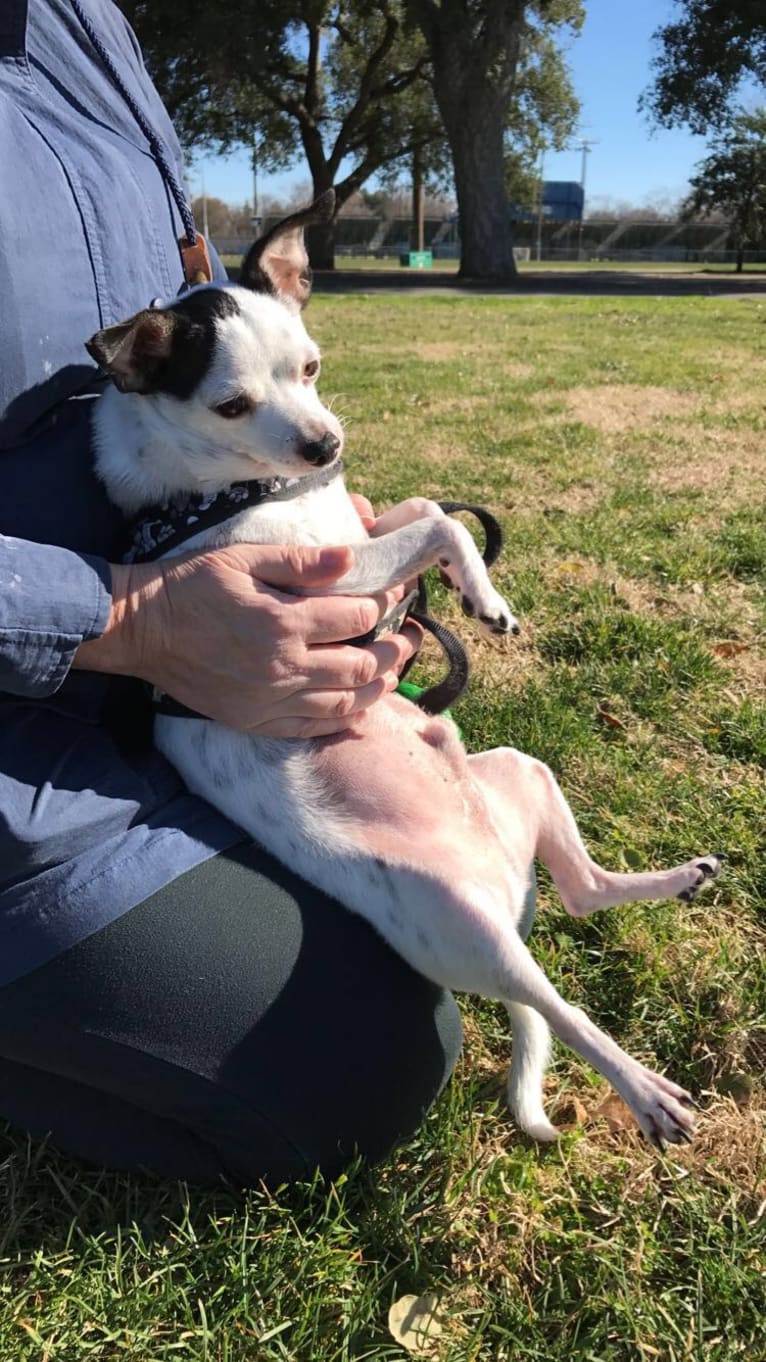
(321,452)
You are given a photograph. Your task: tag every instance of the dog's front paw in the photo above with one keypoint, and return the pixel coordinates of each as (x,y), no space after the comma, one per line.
(700,872)
(492,612)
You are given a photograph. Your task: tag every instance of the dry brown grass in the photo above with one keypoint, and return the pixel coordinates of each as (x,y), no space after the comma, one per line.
(729,463)
(615,408)
(508,664)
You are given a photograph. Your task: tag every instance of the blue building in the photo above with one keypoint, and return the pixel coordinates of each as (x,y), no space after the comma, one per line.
(563,201)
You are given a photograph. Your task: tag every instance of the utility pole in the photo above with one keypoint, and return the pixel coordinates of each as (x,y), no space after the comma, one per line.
(539,249)
(205,231)
(256,219)
(584,145)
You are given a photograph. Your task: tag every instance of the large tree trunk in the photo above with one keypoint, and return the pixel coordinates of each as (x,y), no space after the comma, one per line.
(475,52)
(320,243)
(486,240)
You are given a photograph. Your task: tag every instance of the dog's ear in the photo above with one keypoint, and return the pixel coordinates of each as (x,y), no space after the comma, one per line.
(133,352)
(278,262)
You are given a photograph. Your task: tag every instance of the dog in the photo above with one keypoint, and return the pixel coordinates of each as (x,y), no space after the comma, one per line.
(216,390)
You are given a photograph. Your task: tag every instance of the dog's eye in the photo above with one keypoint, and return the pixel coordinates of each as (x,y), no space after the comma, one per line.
(236,406)
(311,369)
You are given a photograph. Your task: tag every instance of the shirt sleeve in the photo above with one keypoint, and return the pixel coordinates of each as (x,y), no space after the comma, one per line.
(217,267)
(51,601)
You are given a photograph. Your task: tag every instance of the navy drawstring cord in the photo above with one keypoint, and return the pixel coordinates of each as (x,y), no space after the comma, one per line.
(155,143)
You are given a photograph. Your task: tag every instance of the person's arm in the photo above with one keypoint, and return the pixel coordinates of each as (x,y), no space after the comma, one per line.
(51,602)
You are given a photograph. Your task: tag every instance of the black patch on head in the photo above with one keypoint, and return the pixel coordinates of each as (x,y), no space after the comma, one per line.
(194,336)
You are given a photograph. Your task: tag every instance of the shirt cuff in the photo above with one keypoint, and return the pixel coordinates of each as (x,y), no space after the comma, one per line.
(51,601)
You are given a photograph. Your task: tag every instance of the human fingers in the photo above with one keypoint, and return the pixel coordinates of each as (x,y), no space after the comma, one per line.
(364,510)
(308,728)
(335,619)
(393,650)
(341,667)
(290,566)
(336,706)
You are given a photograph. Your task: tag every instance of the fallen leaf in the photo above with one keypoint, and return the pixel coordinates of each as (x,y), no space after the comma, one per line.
(413,1322)
(740,1086)
(570,1113)
(610,720)
(729,647)
(615,1112)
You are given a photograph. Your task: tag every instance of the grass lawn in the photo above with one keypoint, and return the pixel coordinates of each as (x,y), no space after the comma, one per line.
(623,444)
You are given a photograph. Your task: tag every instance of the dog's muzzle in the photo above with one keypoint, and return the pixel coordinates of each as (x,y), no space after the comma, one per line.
(321,452)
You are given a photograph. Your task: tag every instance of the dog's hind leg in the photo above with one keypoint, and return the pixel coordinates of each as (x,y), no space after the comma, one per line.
(529,1060)
(459,932)
(660,1106)
(528,797)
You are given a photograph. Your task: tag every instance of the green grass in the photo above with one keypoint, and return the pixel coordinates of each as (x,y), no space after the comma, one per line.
(624,446)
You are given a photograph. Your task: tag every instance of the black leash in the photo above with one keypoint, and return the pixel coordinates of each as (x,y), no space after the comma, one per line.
(437,698)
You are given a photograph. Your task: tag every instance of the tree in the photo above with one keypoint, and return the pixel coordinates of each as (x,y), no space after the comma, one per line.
(543,117)
(704,54)
(362,92)
(478,49)
(218,214)
(347,86)
(732,179)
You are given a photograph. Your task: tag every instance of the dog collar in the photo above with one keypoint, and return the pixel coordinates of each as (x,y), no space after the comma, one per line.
(169,524)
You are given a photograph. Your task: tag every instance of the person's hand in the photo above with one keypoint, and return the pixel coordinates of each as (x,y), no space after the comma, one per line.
(363,508)
(207,629)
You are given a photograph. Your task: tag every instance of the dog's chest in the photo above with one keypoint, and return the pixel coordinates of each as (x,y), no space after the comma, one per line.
(325,515)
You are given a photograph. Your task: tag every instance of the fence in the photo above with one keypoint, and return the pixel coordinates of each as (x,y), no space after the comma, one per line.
(615,240)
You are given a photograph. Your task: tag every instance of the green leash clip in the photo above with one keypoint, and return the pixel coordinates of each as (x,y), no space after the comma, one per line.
(411,692)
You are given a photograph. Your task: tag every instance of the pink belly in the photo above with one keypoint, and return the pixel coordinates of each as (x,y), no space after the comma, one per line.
(403,778)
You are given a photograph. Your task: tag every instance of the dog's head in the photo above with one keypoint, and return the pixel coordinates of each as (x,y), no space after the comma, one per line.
(226,374)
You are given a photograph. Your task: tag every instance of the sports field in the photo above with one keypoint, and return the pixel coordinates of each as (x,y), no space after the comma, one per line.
(623,445)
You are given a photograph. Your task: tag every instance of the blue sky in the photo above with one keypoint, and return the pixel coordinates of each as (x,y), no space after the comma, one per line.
(610,67)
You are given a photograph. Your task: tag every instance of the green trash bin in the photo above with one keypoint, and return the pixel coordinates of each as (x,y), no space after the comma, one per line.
(417,260)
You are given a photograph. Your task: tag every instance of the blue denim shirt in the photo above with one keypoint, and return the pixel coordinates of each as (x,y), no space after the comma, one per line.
(92,819)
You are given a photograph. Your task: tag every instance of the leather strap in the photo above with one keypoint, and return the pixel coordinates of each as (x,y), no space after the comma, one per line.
(196,260)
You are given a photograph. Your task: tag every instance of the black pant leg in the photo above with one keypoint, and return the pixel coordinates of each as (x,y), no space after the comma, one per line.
(255,1027)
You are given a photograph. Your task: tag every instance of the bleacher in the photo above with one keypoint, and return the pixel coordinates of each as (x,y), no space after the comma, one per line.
(591,240)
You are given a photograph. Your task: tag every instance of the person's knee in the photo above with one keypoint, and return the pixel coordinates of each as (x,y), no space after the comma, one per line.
(386,1101)
(364,1101)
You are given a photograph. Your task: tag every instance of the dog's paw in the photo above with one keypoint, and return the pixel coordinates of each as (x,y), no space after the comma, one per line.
(662,1109)
(700,871)
(492,612)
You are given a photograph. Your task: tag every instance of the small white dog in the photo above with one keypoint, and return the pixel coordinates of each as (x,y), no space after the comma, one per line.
(215,390)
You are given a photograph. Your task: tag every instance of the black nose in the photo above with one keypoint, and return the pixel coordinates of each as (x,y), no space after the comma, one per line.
(321,452)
